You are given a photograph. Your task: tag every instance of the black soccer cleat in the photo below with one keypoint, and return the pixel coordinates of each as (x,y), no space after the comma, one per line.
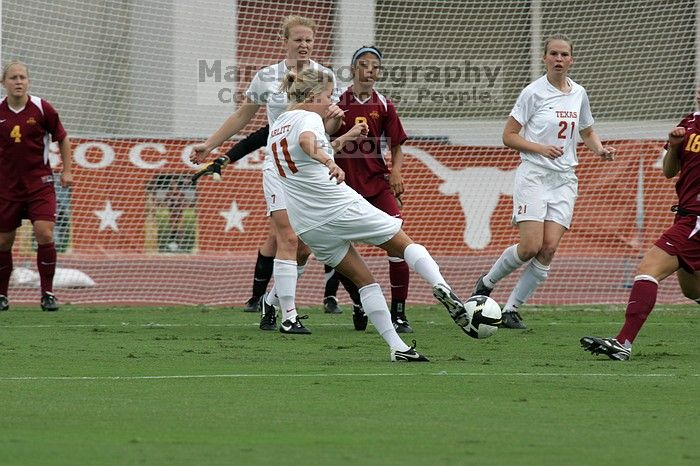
(607,346)
(410,355)
(401,323)
(253,304)
(268,315)
(49,303)
(453,305)
(480,288)
(4,303)
(296,327)
(512,319)
(359,318)
(330,305)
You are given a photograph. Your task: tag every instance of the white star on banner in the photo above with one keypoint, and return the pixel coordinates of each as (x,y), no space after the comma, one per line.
(108,217)
(234,217)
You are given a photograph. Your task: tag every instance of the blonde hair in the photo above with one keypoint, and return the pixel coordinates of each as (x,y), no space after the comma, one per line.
(292,21)
(9,65)
(562,37)
(300,86)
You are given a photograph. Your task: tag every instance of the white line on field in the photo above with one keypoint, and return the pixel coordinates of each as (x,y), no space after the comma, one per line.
(331,375)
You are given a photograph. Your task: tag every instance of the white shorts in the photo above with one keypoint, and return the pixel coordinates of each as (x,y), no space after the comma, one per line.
(541,194)
(360,223)
(274,192)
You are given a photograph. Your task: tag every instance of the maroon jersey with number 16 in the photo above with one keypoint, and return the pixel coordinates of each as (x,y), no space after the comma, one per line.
(24,147)
(688,184)
(362,160)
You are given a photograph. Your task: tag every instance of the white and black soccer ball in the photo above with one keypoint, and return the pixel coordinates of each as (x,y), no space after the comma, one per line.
(484,316)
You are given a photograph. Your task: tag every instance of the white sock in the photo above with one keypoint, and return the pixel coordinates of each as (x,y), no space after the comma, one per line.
(271,297)
(419,259)
(285,273)
(377,311)
(504,266)
(534,274)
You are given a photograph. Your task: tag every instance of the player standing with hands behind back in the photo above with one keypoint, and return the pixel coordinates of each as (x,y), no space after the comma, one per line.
(550,112)
(26,179)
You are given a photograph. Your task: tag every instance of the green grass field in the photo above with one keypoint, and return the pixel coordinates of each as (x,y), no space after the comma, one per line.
(204,386)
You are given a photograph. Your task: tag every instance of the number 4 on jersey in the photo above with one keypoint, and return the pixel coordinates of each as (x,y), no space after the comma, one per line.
(16,134)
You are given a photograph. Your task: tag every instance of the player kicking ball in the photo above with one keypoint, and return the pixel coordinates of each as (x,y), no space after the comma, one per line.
(329,216)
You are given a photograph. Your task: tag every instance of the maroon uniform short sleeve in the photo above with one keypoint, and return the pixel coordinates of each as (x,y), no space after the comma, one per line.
(53,123)
(393,129)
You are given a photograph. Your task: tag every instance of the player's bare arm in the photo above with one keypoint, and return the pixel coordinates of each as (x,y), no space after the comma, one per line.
(513,139)
(310,145)
(360,129)
(592,141)
(395,177)
(333,119)
(64,148)
(231,126)
(672,162)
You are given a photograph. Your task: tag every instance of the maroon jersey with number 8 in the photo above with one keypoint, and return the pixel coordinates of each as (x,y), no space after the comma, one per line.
(362,160)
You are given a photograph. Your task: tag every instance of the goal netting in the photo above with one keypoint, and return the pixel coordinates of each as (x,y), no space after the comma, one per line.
(138,82)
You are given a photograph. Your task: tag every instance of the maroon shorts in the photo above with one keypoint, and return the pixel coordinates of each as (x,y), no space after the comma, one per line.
(39,206)
(386,202)
(683,241)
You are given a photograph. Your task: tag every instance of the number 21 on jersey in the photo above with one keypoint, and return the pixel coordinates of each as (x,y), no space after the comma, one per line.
(563,126)
(283,147)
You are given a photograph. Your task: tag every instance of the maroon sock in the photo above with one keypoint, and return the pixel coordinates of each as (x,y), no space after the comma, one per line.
(46,265)
(399,275)
(5,270)
(641,302)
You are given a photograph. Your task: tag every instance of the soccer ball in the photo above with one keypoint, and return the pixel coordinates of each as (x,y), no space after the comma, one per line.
(484,316)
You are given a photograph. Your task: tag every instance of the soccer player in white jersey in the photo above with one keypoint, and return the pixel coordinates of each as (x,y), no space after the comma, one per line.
(543,126)
(291,255)
(329,216)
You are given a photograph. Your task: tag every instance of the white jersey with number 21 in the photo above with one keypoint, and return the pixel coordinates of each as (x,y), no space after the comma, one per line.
(553,118)
(313,199)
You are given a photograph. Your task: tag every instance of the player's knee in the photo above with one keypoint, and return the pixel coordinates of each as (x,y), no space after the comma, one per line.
(287,242)
(44,236)
(303,252)
(527,251)
(546,253)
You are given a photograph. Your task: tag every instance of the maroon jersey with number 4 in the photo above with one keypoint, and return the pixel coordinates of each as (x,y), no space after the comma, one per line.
(688,184)
(24,147)
(361,160)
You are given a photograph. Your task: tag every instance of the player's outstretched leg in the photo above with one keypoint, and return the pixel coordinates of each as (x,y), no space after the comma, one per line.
(419,259)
